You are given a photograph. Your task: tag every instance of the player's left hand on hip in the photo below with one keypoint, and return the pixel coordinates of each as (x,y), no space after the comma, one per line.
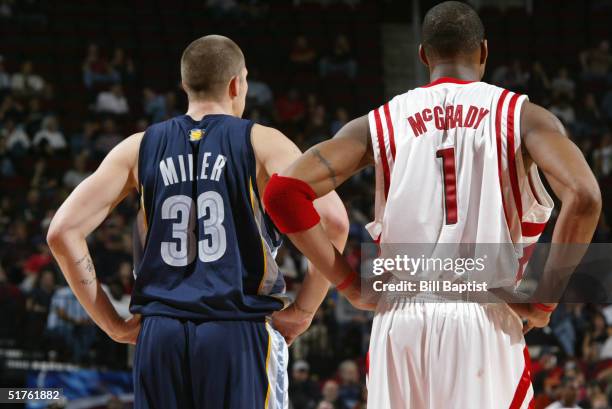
(128,331)
(291,322)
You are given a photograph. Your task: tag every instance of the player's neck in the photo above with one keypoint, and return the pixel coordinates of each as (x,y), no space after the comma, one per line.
(198,109)
(461,71)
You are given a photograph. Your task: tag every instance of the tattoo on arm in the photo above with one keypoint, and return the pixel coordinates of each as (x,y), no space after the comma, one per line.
(325,162)
(89,267)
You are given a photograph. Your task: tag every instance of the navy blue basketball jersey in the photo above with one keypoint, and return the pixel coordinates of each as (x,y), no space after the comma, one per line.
(209,248)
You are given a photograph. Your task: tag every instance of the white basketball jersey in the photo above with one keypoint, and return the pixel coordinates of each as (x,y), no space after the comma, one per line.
(449,169)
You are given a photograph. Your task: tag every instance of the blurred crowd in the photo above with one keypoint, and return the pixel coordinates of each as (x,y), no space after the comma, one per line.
(41,161)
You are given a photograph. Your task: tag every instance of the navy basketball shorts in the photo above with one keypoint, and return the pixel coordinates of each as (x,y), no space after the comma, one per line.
(209,365)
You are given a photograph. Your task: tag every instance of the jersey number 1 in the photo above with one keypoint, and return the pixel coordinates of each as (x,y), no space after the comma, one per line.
(181,207)
(450,183)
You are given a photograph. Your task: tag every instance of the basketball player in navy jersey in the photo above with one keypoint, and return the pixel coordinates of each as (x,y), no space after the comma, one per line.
(206,281)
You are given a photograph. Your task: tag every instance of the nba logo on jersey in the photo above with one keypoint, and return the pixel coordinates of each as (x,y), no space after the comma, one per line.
(196,134)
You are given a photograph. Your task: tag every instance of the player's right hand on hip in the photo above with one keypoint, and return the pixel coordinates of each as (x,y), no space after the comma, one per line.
(291,322)
(532,317)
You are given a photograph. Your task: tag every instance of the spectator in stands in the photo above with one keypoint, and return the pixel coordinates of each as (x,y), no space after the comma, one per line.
(290,108)
(112,101)
(96,69)
(595,337)
(126,277)
(562,108)
(350,388)
(5,79)
(589,119)
(286,263)
(562,85)
(317,129)
(37,306)
(596,62)
(303,58)
(259,93)
(12,108)
(302,52)
(68,325)
(602,157)
(7,165)
(78,173)
(154,105)
(171,105)
(50,137)
(223,8)
(118,298)
(44,178)
(17,141)
(330,394)
(141,125)
(516,78)
(38,260)
(538,85)
(11,307)
(26,82)
(340,119)
(123,66)
(303,392)
(606,106)
(84,140)
(341,62)
(568,398)
(34,117)
(599,401)
(107,139)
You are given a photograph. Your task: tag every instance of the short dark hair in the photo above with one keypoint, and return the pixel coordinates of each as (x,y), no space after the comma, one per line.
(209,63)
(452,28)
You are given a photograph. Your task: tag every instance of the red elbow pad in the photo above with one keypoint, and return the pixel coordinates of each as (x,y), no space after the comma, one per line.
(288,201)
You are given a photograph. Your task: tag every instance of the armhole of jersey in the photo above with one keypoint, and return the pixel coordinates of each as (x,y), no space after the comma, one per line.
(253,189)
(375,227)
(141,149)
(141,179)
(535,203)
(271,282)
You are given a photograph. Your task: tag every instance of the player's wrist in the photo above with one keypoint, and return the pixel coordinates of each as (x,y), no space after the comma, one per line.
(347,282)
(303,311)
(548,308)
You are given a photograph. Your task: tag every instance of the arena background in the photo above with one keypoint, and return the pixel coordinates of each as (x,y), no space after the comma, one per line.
(76,77)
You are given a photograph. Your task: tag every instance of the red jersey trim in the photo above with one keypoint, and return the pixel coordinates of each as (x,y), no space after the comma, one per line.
(383,151)
(512,157)
(498,139)
(390,128)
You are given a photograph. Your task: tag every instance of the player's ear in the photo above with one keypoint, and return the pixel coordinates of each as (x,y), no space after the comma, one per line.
(484,51)
(234,86)
(422,55)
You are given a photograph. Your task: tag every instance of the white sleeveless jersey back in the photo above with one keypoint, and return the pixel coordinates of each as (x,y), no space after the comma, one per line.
(449,169)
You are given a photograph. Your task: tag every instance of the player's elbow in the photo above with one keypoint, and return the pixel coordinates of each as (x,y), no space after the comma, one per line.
(586,198)
(333,216)
(336,223)
(57,233)
(55,236)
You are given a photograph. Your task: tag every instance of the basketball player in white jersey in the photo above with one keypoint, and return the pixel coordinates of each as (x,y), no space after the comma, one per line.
(456,162)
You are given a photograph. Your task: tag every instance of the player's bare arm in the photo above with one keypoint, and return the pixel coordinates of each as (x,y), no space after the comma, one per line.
(328,164)
(323,168)
(82,212)
(546,143)
(274,153)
